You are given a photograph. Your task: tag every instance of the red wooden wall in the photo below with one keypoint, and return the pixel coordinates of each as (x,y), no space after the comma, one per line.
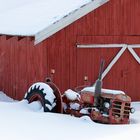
(22,63)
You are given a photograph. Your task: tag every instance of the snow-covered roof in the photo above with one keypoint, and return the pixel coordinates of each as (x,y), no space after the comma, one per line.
(42,18)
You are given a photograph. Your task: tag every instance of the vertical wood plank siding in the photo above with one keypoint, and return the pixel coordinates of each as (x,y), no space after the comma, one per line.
(118,21)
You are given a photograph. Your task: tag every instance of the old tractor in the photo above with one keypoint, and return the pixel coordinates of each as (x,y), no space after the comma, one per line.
(101,105)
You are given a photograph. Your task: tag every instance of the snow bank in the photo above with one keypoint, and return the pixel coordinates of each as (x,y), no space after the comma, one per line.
(18,121)
(5,98)
(23,121)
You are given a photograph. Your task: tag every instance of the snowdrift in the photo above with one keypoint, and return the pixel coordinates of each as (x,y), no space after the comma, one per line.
(22,121)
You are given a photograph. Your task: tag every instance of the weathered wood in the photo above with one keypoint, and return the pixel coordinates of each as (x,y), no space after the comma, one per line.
(117,22)
(20,37)
(8,37)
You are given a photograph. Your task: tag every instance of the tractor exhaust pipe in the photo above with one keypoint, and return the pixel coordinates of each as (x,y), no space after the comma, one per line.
(98,85)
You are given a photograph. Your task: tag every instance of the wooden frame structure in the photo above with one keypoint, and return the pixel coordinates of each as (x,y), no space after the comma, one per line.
(119,54)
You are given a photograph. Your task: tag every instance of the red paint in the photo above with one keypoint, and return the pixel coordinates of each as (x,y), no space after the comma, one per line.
(118,21)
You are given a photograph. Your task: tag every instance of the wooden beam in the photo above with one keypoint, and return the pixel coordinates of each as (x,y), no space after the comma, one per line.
(20,37)
(115,59)
(132,51)
(101,46)
(8,37)
(32,38)
(119,54)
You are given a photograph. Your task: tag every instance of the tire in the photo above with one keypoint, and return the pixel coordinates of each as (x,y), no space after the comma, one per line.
(42,92)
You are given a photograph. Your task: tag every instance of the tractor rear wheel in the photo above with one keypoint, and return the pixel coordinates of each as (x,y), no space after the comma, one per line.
(42,92)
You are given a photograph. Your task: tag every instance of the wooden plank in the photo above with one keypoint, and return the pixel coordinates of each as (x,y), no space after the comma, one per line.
(117,22)
(20,37)
(9,37)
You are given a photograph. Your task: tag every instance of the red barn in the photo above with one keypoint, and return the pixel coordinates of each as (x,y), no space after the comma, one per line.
(70,37)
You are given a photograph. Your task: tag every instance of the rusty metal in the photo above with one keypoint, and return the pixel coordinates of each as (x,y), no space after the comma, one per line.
(108,108)
(111,109)
(57,93)
(117,113)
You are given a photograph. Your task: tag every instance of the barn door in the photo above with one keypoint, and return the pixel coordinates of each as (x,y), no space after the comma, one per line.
(122,69)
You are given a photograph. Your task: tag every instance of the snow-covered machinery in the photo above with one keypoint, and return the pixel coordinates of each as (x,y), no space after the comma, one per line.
(101,105)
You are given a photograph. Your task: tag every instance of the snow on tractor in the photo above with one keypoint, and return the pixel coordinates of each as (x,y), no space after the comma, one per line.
(101,105)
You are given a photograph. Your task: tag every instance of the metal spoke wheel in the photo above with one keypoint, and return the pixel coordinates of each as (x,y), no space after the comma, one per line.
(48,95)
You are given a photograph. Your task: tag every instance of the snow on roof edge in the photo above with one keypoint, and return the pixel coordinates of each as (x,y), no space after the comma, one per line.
(17,35)
(67,20)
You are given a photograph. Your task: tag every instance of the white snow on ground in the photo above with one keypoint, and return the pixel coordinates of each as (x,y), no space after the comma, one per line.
(28,17)
(19,121)
(5,98)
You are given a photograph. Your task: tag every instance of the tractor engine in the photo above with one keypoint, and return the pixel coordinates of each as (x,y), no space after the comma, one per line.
(113,108)
(101,105)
